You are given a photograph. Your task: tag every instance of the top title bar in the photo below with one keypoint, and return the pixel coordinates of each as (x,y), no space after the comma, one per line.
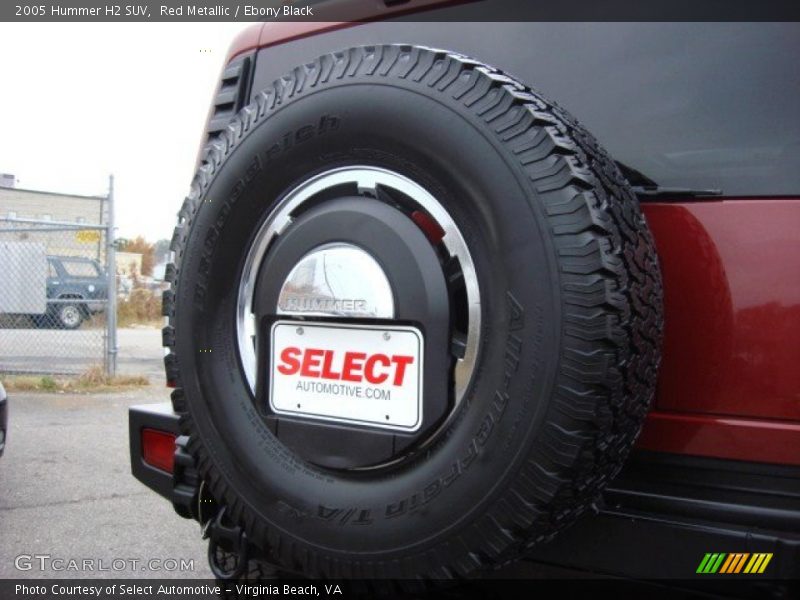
(407,10)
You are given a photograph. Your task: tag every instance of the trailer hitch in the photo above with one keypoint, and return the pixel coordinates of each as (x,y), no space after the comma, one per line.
(228,551)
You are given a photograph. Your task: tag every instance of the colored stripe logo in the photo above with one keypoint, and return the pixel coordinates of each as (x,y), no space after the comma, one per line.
(735,562)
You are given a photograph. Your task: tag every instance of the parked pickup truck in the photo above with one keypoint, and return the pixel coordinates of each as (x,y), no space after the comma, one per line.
(76,289)
(49,290)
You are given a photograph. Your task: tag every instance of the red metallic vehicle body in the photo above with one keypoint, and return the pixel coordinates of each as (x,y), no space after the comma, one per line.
(729,380)
(716,464)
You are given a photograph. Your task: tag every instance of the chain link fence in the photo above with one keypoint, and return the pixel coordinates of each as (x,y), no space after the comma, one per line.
(57,296)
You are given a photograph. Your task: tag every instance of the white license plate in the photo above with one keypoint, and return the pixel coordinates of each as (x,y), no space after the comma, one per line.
(360,374)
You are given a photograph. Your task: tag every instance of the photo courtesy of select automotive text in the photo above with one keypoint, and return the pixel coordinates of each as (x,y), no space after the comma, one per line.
(400,299)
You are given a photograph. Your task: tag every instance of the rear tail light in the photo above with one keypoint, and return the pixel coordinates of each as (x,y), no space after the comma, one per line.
(158,449)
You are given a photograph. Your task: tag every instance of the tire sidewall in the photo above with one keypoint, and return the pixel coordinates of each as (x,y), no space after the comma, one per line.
(400,127)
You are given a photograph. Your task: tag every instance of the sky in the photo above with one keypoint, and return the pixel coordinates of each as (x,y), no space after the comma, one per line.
(81,101)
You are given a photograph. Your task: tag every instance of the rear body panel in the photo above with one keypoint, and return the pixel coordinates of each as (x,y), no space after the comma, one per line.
(729,384)
(732,338)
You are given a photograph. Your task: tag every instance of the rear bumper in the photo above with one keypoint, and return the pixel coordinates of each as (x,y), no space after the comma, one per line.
(151,416)
(656,520)
(665,512)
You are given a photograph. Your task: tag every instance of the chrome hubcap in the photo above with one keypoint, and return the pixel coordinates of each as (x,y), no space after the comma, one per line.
(344,280)
(337,280)
(70,315)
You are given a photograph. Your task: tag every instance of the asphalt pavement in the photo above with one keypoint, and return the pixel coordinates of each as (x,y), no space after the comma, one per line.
(140,353)
(52,350)
(66,493)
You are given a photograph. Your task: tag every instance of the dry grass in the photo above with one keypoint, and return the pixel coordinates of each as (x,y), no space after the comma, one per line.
(142,307)
(91,380)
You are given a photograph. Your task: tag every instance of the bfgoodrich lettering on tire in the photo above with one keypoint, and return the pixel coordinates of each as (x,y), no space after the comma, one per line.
(570,315)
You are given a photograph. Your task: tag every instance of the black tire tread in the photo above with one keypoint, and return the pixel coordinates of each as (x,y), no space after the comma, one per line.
(612,305)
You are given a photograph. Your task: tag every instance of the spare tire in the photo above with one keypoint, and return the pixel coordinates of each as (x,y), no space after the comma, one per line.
(511,246)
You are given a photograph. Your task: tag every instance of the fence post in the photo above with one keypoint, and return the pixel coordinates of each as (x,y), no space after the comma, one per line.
(111,306)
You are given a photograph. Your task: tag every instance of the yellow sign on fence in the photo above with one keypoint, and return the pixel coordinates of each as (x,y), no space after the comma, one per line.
(87,236)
